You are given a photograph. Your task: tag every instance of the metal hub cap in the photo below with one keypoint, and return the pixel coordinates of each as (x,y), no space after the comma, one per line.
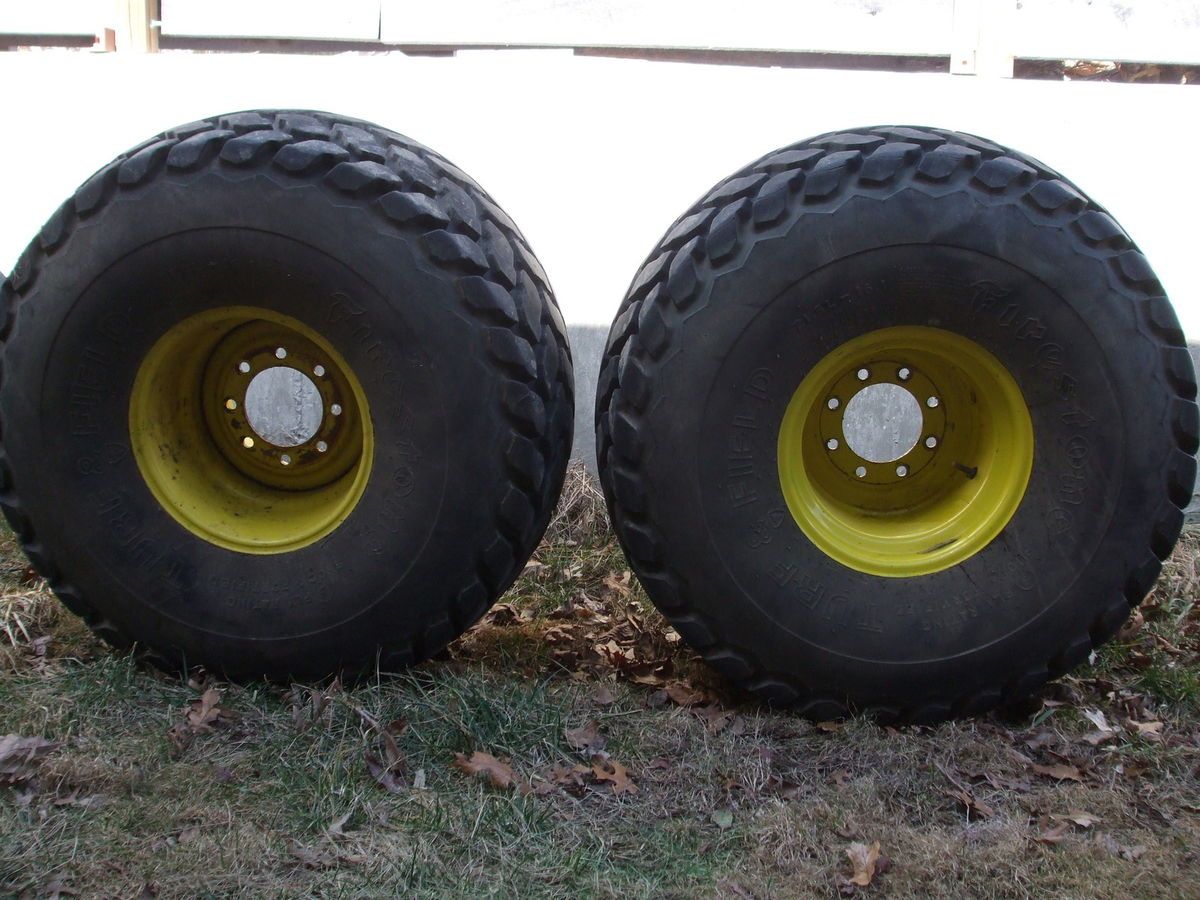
(905,451)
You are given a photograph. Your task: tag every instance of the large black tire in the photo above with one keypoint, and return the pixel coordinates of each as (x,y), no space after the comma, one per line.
(811,247)
(396,261)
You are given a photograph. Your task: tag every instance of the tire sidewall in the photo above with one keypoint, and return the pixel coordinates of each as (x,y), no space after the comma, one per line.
(151,258)
(775,311)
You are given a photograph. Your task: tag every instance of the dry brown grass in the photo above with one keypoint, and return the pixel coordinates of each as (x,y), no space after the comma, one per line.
(274,796)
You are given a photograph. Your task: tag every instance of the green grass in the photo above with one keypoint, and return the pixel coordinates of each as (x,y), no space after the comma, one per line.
(277,800)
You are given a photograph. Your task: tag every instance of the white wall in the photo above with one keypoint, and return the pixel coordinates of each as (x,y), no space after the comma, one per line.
(595,157)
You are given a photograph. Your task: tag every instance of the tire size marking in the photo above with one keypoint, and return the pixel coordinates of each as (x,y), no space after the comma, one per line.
(345,312)
(125,528)
(1072,484)
(937,612)
(90,385)
(741,474)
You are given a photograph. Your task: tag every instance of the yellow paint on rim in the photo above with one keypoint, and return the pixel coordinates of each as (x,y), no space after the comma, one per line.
(962,481)
(210,470)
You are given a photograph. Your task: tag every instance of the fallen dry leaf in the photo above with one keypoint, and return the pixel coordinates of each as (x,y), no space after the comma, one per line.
(723,818)
(618,583)
(863,860)
(390,770)
(571,776)
(715,718)
(88,801)
(602,696)
(311,857)
(1054,835)
(1151,731)
(650,679)
(480,764)
(20,756)
(383,773)
(1132,769)
(1104,731)
(1059,771)
(1078,817)
(683,694)
(964,795)
(615,654)
(1042,739)
(970,803)
(336,828)
(612,771)
(1132,625)
(586,738)
(506,614)
(829,727)
(1097,718)
(1096,738)
(204,712)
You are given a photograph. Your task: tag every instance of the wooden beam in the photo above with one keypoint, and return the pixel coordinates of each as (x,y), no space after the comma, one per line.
(137,26)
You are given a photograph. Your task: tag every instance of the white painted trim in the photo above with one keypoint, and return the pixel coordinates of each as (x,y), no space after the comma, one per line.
(55,17)
(339,20)
(904,27)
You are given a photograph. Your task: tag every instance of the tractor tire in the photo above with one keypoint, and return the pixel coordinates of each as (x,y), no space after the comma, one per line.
(372,289)
(1038,409)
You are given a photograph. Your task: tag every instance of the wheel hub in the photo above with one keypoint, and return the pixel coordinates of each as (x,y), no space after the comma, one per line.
(916,484)
(231,450)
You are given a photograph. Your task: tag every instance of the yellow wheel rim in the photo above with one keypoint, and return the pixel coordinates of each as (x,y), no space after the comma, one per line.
(207,465)
(933,505)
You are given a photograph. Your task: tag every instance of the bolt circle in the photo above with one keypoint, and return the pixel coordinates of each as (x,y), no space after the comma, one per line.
(880,371)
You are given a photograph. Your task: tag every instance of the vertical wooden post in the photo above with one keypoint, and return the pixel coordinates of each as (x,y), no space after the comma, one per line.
(135,31)
(982,38)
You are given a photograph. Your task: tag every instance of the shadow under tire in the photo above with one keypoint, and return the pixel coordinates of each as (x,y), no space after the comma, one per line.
(412,323)
(1004,538)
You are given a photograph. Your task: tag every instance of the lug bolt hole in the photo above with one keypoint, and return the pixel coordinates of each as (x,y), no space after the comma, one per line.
(243,367)
(901,471)
(335,408)
(319,371)
(863,374)
(904,374)
(931,442)
(285,460)
(248,442)
(861,471)
(833,403)
(231,404)
(322,446)
(932,402)
(832,443)
(280,353)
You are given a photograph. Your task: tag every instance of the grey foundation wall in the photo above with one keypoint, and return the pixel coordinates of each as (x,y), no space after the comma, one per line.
(587,347)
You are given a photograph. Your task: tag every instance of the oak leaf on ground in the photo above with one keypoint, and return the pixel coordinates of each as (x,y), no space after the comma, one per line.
(863,860)
(586,738)
(616,774)
(483,765)
(20,756)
